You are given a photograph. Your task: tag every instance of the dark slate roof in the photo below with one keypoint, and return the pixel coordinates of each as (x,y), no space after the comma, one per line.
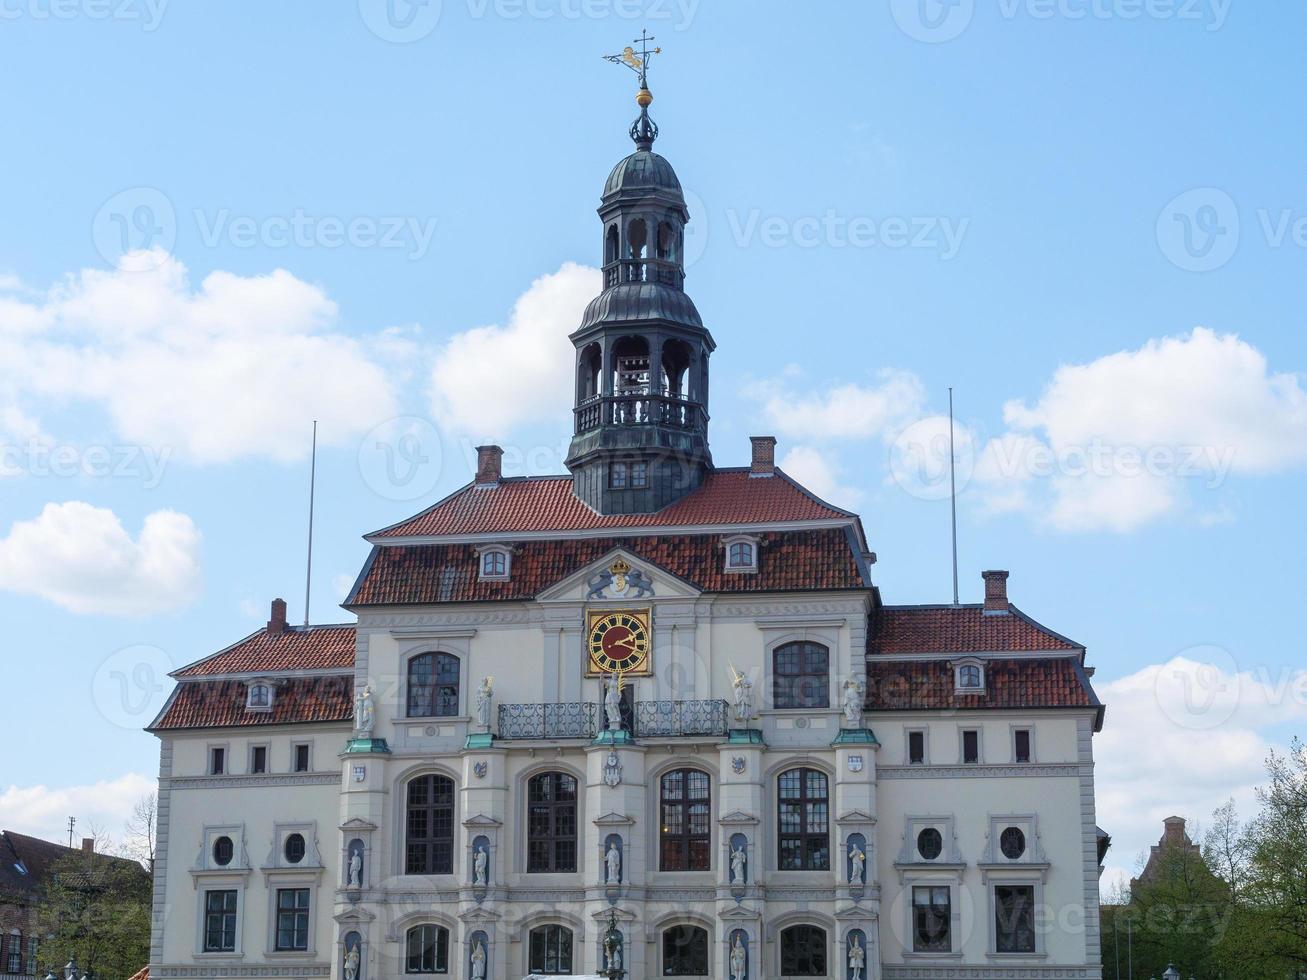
(221,704)
(804,560)
(545,504)
(26,863)
(640,302)
(1043,682)
(296,648)
(643,170)
(959,629)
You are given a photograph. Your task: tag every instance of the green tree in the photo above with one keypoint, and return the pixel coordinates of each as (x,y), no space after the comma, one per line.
(96,909)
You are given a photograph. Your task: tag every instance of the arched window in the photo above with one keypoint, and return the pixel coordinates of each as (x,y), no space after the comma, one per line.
(666,241)
(685,798)
(551,950)
(610,244)
(426,950)
(15,964)
(801,676)
(803,951)
(551,824)
(685,952)
(969,677)
(637,239)
(259,696)
(433,685)
(803,804)
(429,831)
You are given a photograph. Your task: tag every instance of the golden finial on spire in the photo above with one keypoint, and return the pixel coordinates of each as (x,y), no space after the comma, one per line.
(643,131)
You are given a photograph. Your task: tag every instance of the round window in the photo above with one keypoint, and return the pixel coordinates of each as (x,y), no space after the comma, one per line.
(223,851)
(930,843)
(1012,842)
(295,848)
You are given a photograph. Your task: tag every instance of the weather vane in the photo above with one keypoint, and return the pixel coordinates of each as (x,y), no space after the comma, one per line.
(644,130)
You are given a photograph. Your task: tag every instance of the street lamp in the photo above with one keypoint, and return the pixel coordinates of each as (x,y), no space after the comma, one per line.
(613,948)
(1171,973)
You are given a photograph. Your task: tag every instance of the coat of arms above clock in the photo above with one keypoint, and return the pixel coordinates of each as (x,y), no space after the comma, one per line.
(620,580)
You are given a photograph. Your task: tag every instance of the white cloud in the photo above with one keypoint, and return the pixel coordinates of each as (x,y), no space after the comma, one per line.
(81,558)
(820,473)
(1183,738)
(844,411)
(1117,443)
(488,379)
(43,811)
(236,368)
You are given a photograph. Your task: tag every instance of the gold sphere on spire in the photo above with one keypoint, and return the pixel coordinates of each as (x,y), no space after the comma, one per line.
(643,98)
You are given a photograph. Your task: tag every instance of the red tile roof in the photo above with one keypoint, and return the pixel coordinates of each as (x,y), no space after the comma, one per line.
(1054,682)
(531,504)
(221,704)
(959,629)
(818,559)
(298,648)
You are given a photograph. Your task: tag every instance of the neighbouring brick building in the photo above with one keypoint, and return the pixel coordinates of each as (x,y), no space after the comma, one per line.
(652,686)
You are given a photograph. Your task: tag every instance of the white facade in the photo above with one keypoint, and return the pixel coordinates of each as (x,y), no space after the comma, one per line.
(878,798)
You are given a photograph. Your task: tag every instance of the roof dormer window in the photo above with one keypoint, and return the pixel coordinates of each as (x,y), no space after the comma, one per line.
(495,563)
(969,676)
(258,696)
(741,553)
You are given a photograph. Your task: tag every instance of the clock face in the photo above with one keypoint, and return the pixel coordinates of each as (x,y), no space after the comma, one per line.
(619,641)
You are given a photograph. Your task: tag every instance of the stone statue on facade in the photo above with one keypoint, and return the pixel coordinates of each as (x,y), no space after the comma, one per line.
(613,864)
(613,701)
(484,695)
(854,693)
(739,959)
(857,959)
(355,878)
(480,866)
(857,863)
(352,962)
(478,960)
(364,714)
(743,696)
(739,861)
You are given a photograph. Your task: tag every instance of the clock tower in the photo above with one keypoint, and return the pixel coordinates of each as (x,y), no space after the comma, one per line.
(640,436)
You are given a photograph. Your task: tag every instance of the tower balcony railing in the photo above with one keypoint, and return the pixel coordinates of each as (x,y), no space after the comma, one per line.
(640,409)
(585,719)
(664,271)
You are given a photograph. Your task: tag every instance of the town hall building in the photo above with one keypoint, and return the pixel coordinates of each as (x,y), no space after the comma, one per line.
(651,692)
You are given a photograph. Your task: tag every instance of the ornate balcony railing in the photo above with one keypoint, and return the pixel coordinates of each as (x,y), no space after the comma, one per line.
(640,409)
(644,270)
(568,719)
(663,718)
(581,719)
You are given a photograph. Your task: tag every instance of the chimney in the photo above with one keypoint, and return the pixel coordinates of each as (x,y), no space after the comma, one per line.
(88,845)
(764,456)
(490,468)
(277,624)
(996,603)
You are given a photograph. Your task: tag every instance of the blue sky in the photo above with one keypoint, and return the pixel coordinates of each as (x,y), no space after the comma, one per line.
(881,210)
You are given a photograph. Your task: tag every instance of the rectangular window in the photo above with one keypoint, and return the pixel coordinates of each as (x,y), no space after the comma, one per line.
(14,960)
(639,475)
(971,746)
(1014,918)
(618,476)
(931,919)
(31,955)
(292,919)
(217,761)
(220,921)
(916,748)
(302,757)
(259,759)
(1021,745)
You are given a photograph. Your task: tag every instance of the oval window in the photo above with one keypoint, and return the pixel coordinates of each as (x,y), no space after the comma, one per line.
(295,848)
(223,849)
(930,843)
(1012,842)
